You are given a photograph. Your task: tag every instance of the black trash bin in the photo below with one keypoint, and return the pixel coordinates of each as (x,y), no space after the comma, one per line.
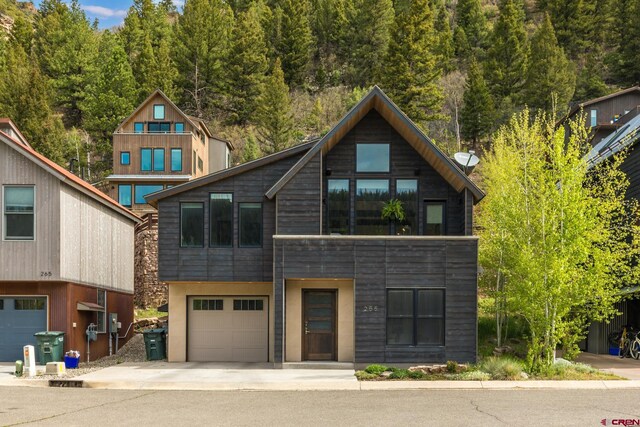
(50,347)
(155,344)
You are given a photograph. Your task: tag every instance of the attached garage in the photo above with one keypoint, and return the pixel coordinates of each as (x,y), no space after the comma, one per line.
(228,329)
(20,318)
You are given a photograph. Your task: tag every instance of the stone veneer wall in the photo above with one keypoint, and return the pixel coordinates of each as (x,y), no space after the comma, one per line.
(148,292)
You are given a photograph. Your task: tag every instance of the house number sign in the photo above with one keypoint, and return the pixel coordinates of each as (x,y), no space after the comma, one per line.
(370,308)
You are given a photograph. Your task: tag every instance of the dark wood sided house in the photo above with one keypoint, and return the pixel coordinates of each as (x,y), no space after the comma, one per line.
(287,258)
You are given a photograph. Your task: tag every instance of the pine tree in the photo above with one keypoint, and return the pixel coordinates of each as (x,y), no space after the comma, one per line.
(246,66)
(625,60)
(477,113)
(365,39)
(411,73)
(589,83)
(508,56)
(65,46)
(294,44)
(250,151)
(274,116)
(25,98)
(551,76)
(111,96)
(445,48)
(471,20)
(201,50)
(573,24)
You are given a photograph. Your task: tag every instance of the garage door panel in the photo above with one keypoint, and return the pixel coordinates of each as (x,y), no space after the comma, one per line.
(20,318)
(234,331)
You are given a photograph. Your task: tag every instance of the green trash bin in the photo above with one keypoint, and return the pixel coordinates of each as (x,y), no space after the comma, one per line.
(154,343)
(49,347)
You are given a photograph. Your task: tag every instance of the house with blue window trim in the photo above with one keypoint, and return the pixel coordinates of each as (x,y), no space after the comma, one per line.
(288,258)
(159,146)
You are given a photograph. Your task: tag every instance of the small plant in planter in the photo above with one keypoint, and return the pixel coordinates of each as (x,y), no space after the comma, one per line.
(394,212)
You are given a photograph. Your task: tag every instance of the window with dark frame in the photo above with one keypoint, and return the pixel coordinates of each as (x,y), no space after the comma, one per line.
(371,195)
(202,304)
(191,225)
(158,159)
(145,159)
(200,164)
(31,304)
(179,127)
(415,317)
(124,195)
(158,111)
(373,158)
(1,304)
(142,190)
(19,213)
(176,159)
(338,202)
(125,158)
(221,220)
(248,305)
(138,127)
(434,218)
(159,127)
(407,193)
(101,316)
(250,225)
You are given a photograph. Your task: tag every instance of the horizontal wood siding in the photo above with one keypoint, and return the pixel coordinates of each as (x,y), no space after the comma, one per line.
(300,202)
(96,244)
(134,142)
(377,265)
(221,264)
(406,163)
(28,260)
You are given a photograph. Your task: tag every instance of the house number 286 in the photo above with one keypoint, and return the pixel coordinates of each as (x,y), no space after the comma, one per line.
(369,308)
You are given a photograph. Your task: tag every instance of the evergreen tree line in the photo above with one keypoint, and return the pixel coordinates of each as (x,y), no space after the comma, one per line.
(249,66)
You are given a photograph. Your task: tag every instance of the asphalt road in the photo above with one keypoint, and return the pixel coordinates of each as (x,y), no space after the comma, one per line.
(86,407)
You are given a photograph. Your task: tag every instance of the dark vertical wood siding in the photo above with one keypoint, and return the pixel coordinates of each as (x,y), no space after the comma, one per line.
(221,264)
(406,163)
(300,201)
(631,166)
(377,265)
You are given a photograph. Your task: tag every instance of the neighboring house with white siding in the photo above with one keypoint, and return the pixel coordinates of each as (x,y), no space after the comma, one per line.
(66,254)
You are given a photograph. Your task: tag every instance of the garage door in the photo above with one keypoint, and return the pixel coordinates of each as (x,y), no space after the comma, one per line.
(20,318)
(228,329)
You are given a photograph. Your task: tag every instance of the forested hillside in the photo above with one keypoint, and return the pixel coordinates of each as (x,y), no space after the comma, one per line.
(267,74)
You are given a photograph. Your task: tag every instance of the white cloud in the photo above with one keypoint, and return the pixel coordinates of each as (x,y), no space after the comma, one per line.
(105,12)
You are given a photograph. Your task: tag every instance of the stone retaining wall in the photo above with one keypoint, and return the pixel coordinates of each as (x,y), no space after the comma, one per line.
(148,292)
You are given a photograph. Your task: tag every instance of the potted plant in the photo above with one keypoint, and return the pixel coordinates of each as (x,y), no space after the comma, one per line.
(394,212)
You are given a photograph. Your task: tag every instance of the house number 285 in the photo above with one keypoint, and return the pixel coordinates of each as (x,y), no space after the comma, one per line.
(369,308)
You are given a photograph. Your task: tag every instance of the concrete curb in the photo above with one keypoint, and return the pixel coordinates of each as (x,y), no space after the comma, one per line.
(367,385)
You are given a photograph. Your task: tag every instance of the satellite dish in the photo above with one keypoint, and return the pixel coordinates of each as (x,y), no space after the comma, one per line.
(467,161)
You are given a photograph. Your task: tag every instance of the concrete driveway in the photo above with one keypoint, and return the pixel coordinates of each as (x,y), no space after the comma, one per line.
(626,368)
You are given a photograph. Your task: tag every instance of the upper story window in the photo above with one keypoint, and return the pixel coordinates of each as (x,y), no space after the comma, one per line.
(338,206)
(138,127)
(191,225)
(221,220)
(176,159)
(124,195)
(371,194)
(159,127)
(372,158)
(143,190)
(158,159)
(19,212)
(407,193)
(179,127)
(158,112)
(145,159)
(101,316)
(594,118)
(415,317)
(125,158)
(250,225)
(200,164)
(434,218)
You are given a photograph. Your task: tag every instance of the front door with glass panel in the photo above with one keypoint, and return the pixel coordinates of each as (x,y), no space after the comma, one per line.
(319,327)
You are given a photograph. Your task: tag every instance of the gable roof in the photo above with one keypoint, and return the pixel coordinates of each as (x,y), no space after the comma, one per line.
(580,105)
(169,101)
(626,136)
(67,177)
(8,123)
(153,198)
(378,100)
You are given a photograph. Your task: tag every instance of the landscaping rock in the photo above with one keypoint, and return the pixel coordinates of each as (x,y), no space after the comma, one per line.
(505,349)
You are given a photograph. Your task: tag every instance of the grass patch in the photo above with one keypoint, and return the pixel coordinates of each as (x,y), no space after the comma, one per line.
(502,368)
(376,369)
(573,371)
(366,376)
(147,313)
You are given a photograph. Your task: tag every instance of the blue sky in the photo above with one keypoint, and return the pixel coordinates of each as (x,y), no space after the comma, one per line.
(109,12)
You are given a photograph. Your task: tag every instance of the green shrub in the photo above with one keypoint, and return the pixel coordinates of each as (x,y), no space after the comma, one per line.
(364,376)
(502,368)
(416,375)
(376,369)
(452,366)
(399,374)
